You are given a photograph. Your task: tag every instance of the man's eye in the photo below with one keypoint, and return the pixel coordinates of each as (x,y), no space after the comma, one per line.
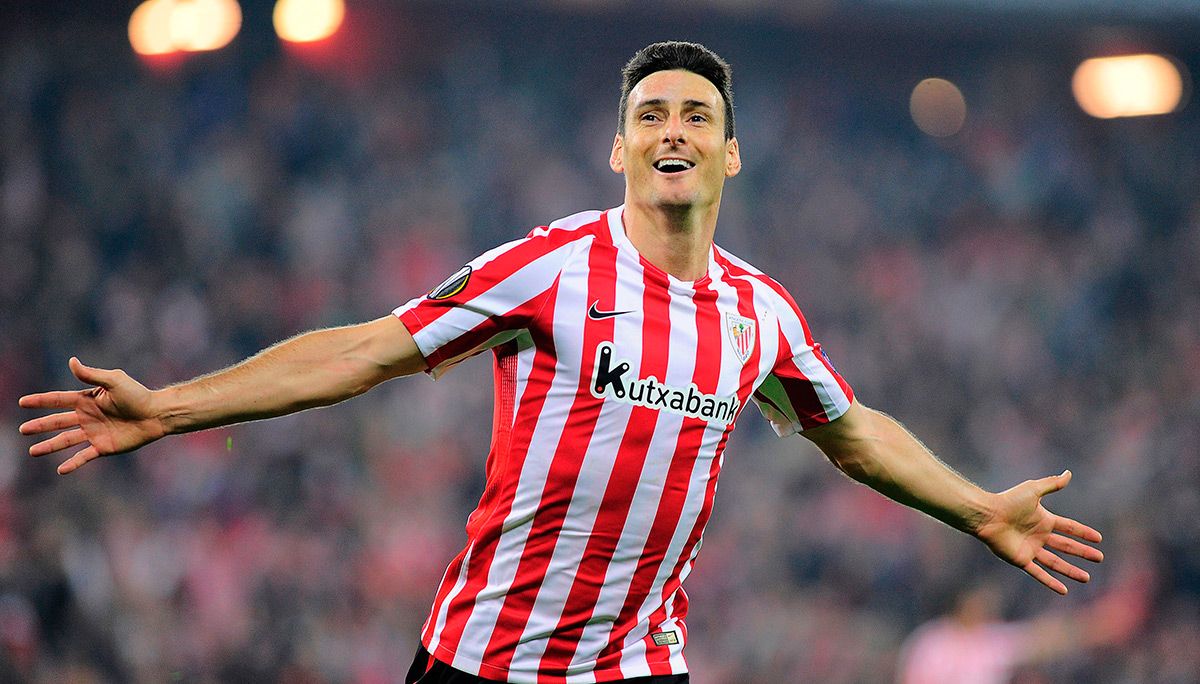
(699,118)
(649,116)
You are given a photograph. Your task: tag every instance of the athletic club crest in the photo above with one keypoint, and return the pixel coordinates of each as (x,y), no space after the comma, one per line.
(741,334)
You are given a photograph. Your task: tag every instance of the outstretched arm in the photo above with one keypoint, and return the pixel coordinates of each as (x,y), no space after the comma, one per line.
(874,449)
(318,368)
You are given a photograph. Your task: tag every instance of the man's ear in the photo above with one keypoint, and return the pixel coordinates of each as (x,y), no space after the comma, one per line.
(616,160)
(733,158)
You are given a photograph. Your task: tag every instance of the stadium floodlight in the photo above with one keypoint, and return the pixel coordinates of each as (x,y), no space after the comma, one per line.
(161,27)
(1128,85)
(306,21)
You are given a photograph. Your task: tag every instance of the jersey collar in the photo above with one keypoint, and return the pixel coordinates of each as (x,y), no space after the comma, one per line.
(616,226)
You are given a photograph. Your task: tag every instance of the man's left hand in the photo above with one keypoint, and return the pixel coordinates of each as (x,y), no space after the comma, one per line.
(1021,531)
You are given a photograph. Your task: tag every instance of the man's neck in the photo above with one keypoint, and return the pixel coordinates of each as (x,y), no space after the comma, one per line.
(678,242)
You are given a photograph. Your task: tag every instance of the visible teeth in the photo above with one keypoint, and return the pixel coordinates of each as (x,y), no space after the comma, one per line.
(673,164)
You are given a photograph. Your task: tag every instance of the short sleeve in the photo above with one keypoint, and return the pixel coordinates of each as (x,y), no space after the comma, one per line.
(487,302)
(803,389)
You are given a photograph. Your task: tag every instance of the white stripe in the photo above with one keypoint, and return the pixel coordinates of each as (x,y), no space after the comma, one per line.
(576,220)
(526,353)
(616,226)
(739,262)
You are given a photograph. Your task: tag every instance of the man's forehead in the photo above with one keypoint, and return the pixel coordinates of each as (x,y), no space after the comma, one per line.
(676,85)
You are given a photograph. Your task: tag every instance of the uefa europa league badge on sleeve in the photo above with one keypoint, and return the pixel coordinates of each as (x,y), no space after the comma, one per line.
(452,285)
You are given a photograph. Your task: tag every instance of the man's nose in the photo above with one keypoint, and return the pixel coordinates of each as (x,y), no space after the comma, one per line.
(673,131)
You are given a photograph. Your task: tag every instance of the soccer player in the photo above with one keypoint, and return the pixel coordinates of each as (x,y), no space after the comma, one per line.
(625,346)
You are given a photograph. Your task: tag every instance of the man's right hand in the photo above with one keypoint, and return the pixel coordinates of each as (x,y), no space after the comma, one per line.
(114,416)
(317,368)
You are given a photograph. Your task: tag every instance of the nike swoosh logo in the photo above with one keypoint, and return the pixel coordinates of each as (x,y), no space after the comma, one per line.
(598,315)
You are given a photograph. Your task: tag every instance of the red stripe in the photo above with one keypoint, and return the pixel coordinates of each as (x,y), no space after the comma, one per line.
(622,483)
(490,522)
(504,404)
(448,581)
(563,474)
(799,389)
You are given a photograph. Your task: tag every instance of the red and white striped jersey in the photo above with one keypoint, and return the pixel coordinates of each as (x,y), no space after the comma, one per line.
(616,388)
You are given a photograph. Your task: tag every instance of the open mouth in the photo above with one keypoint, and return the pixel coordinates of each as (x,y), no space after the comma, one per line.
(673,165)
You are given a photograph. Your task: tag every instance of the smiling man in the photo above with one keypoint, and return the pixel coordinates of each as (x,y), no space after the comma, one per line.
(625,344)
(676,147)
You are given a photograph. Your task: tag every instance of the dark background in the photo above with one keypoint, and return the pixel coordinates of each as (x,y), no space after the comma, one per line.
(1024,295)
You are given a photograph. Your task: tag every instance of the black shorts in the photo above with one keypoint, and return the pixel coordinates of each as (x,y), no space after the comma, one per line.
(427,670)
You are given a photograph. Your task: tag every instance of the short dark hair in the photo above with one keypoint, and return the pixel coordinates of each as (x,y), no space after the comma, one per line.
(675,54)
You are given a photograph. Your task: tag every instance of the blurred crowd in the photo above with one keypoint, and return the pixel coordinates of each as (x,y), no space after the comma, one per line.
(1024,295)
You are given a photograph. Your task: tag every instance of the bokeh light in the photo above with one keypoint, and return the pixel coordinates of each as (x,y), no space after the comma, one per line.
(306,21)
(198,25)
(1128,85)
(150,28)
(938,107)
(159,27)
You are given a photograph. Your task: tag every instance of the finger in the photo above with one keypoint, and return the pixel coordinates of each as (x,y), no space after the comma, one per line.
(58,442)
(50,400)
(1045,578)
(1068,545)
(1053,483)
(58,421)
(82,456)
(92,376)
(1062,567)
(1076,529)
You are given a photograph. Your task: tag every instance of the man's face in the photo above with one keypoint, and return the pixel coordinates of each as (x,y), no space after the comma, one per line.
(673,150)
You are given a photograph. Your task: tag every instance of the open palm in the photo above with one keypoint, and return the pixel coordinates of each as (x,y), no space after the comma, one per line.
(1023,532)
(114,416)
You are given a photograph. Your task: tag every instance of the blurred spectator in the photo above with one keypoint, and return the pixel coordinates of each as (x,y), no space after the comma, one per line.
(972,645)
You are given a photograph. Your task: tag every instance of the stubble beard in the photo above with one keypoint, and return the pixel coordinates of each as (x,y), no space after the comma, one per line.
(677,212)
(681,208)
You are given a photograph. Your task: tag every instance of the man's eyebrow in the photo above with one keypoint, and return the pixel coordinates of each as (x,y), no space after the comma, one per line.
(688,104)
